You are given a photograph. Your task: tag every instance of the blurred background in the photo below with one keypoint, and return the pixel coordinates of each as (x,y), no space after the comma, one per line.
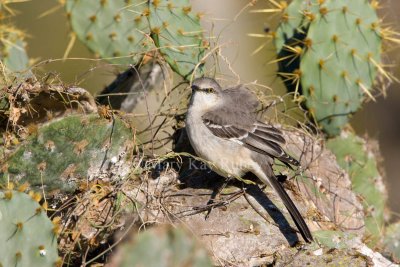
(231,23)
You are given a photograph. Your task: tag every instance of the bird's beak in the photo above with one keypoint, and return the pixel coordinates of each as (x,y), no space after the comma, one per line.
(194,88)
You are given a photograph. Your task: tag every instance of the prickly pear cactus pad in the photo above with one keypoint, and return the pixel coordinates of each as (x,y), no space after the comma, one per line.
(163,246)
(391,241)
(115,30)
(177,32)
(70,150)
(27,236)
(353,155)
(331,51)
(292,22)
(12,49)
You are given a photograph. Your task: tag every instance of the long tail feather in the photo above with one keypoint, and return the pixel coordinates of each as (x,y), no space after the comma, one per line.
(269,178)
(294,212)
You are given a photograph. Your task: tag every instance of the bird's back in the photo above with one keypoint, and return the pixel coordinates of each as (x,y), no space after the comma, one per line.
(242,98)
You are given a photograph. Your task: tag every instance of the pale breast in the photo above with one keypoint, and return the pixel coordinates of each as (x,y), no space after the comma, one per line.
(225,154)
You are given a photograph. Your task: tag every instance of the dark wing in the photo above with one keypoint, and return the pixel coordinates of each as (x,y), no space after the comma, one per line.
(266,136)
(243,128)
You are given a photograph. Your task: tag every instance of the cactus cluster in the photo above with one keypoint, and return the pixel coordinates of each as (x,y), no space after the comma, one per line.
(177,32)
(124,31)
(115,30)
(330,52)
(64,152)
(163,246)
(359,162)
(27,235)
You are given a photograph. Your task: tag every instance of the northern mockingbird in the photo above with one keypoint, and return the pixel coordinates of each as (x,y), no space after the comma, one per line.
(223,129)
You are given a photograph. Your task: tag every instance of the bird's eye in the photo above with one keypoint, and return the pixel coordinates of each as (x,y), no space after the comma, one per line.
(210,90)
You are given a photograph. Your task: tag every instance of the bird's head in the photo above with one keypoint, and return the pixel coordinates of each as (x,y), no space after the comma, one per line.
(206,92)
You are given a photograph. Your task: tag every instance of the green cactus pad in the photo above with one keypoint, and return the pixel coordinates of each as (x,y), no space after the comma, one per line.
(26,233)
(161,247)
(177,32)
(293,22)
(334,239)
(65,152)
(338,51)
(391,241)
(354,157)
(115,30)
(12,49)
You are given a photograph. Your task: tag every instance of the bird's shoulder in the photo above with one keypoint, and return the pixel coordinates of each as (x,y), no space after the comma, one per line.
(230,115)
(242,96)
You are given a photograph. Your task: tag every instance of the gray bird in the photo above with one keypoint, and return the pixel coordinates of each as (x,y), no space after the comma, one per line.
(223,129)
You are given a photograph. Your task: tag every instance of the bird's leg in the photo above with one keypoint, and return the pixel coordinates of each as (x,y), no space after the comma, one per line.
(216,194)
